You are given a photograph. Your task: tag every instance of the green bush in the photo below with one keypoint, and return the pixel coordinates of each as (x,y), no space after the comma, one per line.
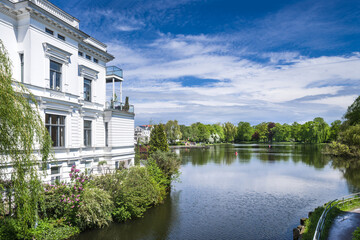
(356,234)
(9,229)
(95,209)
(168,162)
(138,192)
(160,179)
(53,230)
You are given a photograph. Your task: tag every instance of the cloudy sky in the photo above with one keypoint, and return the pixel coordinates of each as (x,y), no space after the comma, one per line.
(230,60)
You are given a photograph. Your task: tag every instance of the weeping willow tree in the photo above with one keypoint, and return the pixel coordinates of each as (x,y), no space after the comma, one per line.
(24,145)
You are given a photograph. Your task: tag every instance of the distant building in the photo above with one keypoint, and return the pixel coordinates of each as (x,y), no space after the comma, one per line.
(142,133)
(66,70)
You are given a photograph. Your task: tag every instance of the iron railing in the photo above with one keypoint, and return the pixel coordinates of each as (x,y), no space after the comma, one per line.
(320,225)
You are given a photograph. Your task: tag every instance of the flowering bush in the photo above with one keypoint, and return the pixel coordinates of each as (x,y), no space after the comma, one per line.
(62,200)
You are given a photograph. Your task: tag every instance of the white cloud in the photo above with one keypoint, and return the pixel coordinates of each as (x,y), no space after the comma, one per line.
(242,88)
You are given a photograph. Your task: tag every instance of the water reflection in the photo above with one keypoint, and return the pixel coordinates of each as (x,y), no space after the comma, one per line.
(226,154)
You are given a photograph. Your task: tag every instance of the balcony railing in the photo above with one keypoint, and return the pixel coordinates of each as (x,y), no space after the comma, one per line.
(112,105)
(113,70)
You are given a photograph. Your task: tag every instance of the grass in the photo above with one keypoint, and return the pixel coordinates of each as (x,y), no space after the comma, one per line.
(311,222)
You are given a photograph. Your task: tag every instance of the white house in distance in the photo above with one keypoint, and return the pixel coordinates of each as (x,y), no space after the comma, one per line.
(142,133)
(66,71)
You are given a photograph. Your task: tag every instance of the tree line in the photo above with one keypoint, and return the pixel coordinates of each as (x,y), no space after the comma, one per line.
(315,131)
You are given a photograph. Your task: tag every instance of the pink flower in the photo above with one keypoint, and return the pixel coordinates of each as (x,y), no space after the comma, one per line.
(70,175)
(77,170)
(78,195)
(76,199)
(72,206)
(83,180)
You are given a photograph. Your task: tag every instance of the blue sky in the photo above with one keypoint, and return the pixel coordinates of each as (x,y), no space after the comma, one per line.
(220,60)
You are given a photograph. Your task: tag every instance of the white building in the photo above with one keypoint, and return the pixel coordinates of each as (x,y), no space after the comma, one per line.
(66,70)
(142,133)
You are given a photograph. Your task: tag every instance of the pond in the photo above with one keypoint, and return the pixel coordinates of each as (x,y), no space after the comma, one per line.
(241,191)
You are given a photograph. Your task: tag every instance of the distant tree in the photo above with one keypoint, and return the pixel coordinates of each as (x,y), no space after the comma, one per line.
(194,132)
(334,130)
(173,131)
(282,133)
(244,131)
(296,132)
(352,115)
(322,130)
(219,131)
(255,136)
(203,133)
(185,132)
(229,131)
(158,140)
(262,130)
(270,133)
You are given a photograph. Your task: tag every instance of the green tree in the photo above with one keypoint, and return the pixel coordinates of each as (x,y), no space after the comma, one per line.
(229,131)
(244,131)
(203,132)
(158,140)
(262,130)
(352,114)
(282,133)
(296,132)
(22,131)
(219,132)
(173,131)
(185,132)
(334,130)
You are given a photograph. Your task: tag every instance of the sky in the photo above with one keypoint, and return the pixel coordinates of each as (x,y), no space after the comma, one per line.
(222,61)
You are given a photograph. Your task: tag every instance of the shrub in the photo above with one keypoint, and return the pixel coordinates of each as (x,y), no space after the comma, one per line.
(95,209)
(168,162)
(53,230)
(356,234)
(160,179)
(138,192)
(9,229)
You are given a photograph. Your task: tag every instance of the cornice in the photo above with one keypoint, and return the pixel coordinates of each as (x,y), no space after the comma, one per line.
(106,57)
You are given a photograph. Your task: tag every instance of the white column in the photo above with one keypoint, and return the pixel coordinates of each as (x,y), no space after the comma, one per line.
(113,81)
(120,91)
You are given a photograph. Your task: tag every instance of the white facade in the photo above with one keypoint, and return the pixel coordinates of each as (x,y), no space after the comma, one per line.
(142,133)
(66,71)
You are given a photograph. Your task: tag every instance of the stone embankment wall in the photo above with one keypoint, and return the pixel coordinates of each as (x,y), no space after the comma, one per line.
(299,230)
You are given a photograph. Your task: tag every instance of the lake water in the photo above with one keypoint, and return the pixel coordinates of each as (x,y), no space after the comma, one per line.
(260,193)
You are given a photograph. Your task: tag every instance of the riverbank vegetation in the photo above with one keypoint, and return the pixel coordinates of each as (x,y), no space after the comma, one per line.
(311,222)
(95,201)
(315,131)
(347,143)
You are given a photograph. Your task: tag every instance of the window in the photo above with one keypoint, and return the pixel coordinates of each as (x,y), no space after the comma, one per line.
(88,164)
(88,57)
(22,66)
(96,61)
(49,31)
(56,126)
(55,174)
(106,134)
(80,54)
(87,133)
(55,75)
(61,37)
(87,89)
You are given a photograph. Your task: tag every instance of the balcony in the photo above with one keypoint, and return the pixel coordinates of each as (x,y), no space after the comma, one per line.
(114,71)
(116,105)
